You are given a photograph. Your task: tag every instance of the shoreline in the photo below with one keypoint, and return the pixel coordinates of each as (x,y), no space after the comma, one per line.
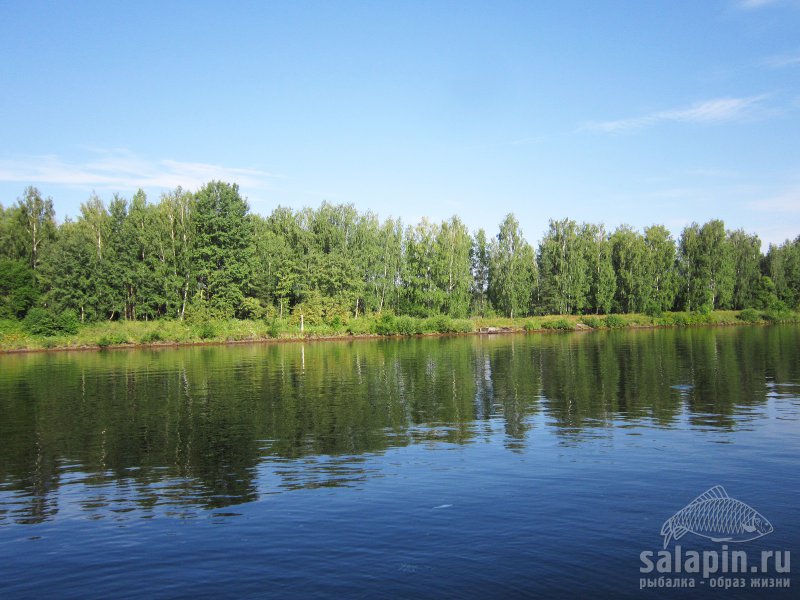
(483,327)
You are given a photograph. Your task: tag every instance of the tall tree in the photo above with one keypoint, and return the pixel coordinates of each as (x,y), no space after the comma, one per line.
(563,270)
(746,251)
(223,252)
(37,219)
(629,255)
(480,273)
(660,272)
(512,270)
(452,247)
(597,255)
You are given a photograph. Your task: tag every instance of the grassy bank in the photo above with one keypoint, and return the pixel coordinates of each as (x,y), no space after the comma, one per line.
(15,337)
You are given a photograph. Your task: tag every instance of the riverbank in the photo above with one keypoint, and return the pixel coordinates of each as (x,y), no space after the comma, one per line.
(131,334)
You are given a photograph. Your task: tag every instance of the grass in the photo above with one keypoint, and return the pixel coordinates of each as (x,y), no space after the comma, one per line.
(14,335)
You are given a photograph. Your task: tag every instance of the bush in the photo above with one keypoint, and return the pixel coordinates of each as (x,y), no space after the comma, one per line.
(407,326)
(592,321)
(531,326)
(275,327)
(614,322)
(439,324)
(653,310)
(779,316)
(112,339)
(386,325)
(68,322)
(152,336)
(361,326)
(206,331)
(40,321)
(251,308)
(462,326)
(749,315)
(559,324)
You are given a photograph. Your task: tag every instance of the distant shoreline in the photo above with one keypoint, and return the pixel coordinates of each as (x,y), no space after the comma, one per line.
(172,334)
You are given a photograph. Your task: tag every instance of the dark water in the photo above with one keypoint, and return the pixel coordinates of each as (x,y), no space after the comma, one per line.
(468,467)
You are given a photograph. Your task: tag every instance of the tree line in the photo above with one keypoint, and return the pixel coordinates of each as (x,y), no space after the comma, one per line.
(205,253)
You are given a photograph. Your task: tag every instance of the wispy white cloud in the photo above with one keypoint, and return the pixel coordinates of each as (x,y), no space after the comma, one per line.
(782,61)
(121,170)
(710,111)
(754,4)
(785,202)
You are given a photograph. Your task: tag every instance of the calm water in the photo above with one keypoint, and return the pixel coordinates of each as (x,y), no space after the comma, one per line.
(471,467)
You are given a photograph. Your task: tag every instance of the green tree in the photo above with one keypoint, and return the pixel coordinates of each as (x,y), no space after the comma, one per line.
(597,256)
(629,256)
(660,271)
(511,270)
(746,251)
(37,224)
(480,273)
(223,249)
(563,268)
(18,289)
(452,248)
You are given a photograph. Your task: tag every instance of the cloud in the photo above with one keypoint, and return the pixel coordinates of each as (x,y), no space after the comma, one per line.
(783,60)
(121,170)
(786,202)
(710,111)
(755,4)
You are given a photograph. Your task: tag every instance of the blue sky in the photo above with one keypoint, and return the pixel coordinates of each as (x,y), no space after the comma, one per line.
(615,112)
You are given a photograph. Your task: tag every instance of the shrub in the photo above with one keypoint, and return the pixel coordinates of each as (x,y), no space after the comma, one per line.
(614,322)
(386,325)
(559,324)
(462,326)
(361,326)
(112,339)
(39,321)
(653,310)
(779,316)
(407,326)
(592,321)
(251,308)
(152,336)
(206,331)
(275,327)
(531,326)
(439,324)
(68,322)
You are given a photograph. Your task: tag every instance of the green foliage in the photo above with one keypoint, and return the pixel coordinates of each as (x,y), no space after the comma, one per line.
(206,331)
(152,336)
(223,248)
(559,324)
(405,325)
(592,321)
(68,322)
(203,257)
(750,315)
(614,322)
(40,321)
(512,270)
(116,338)
(531,325)
(18,289)
(361,326)
(780,316)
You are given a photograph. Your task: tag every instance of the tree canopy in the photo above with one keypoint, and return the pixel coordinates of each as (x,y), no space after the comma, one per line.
(205,253)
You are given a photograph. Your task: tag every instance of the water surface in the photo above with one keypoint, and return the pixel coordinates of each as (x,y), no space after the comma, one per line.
(501,466)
